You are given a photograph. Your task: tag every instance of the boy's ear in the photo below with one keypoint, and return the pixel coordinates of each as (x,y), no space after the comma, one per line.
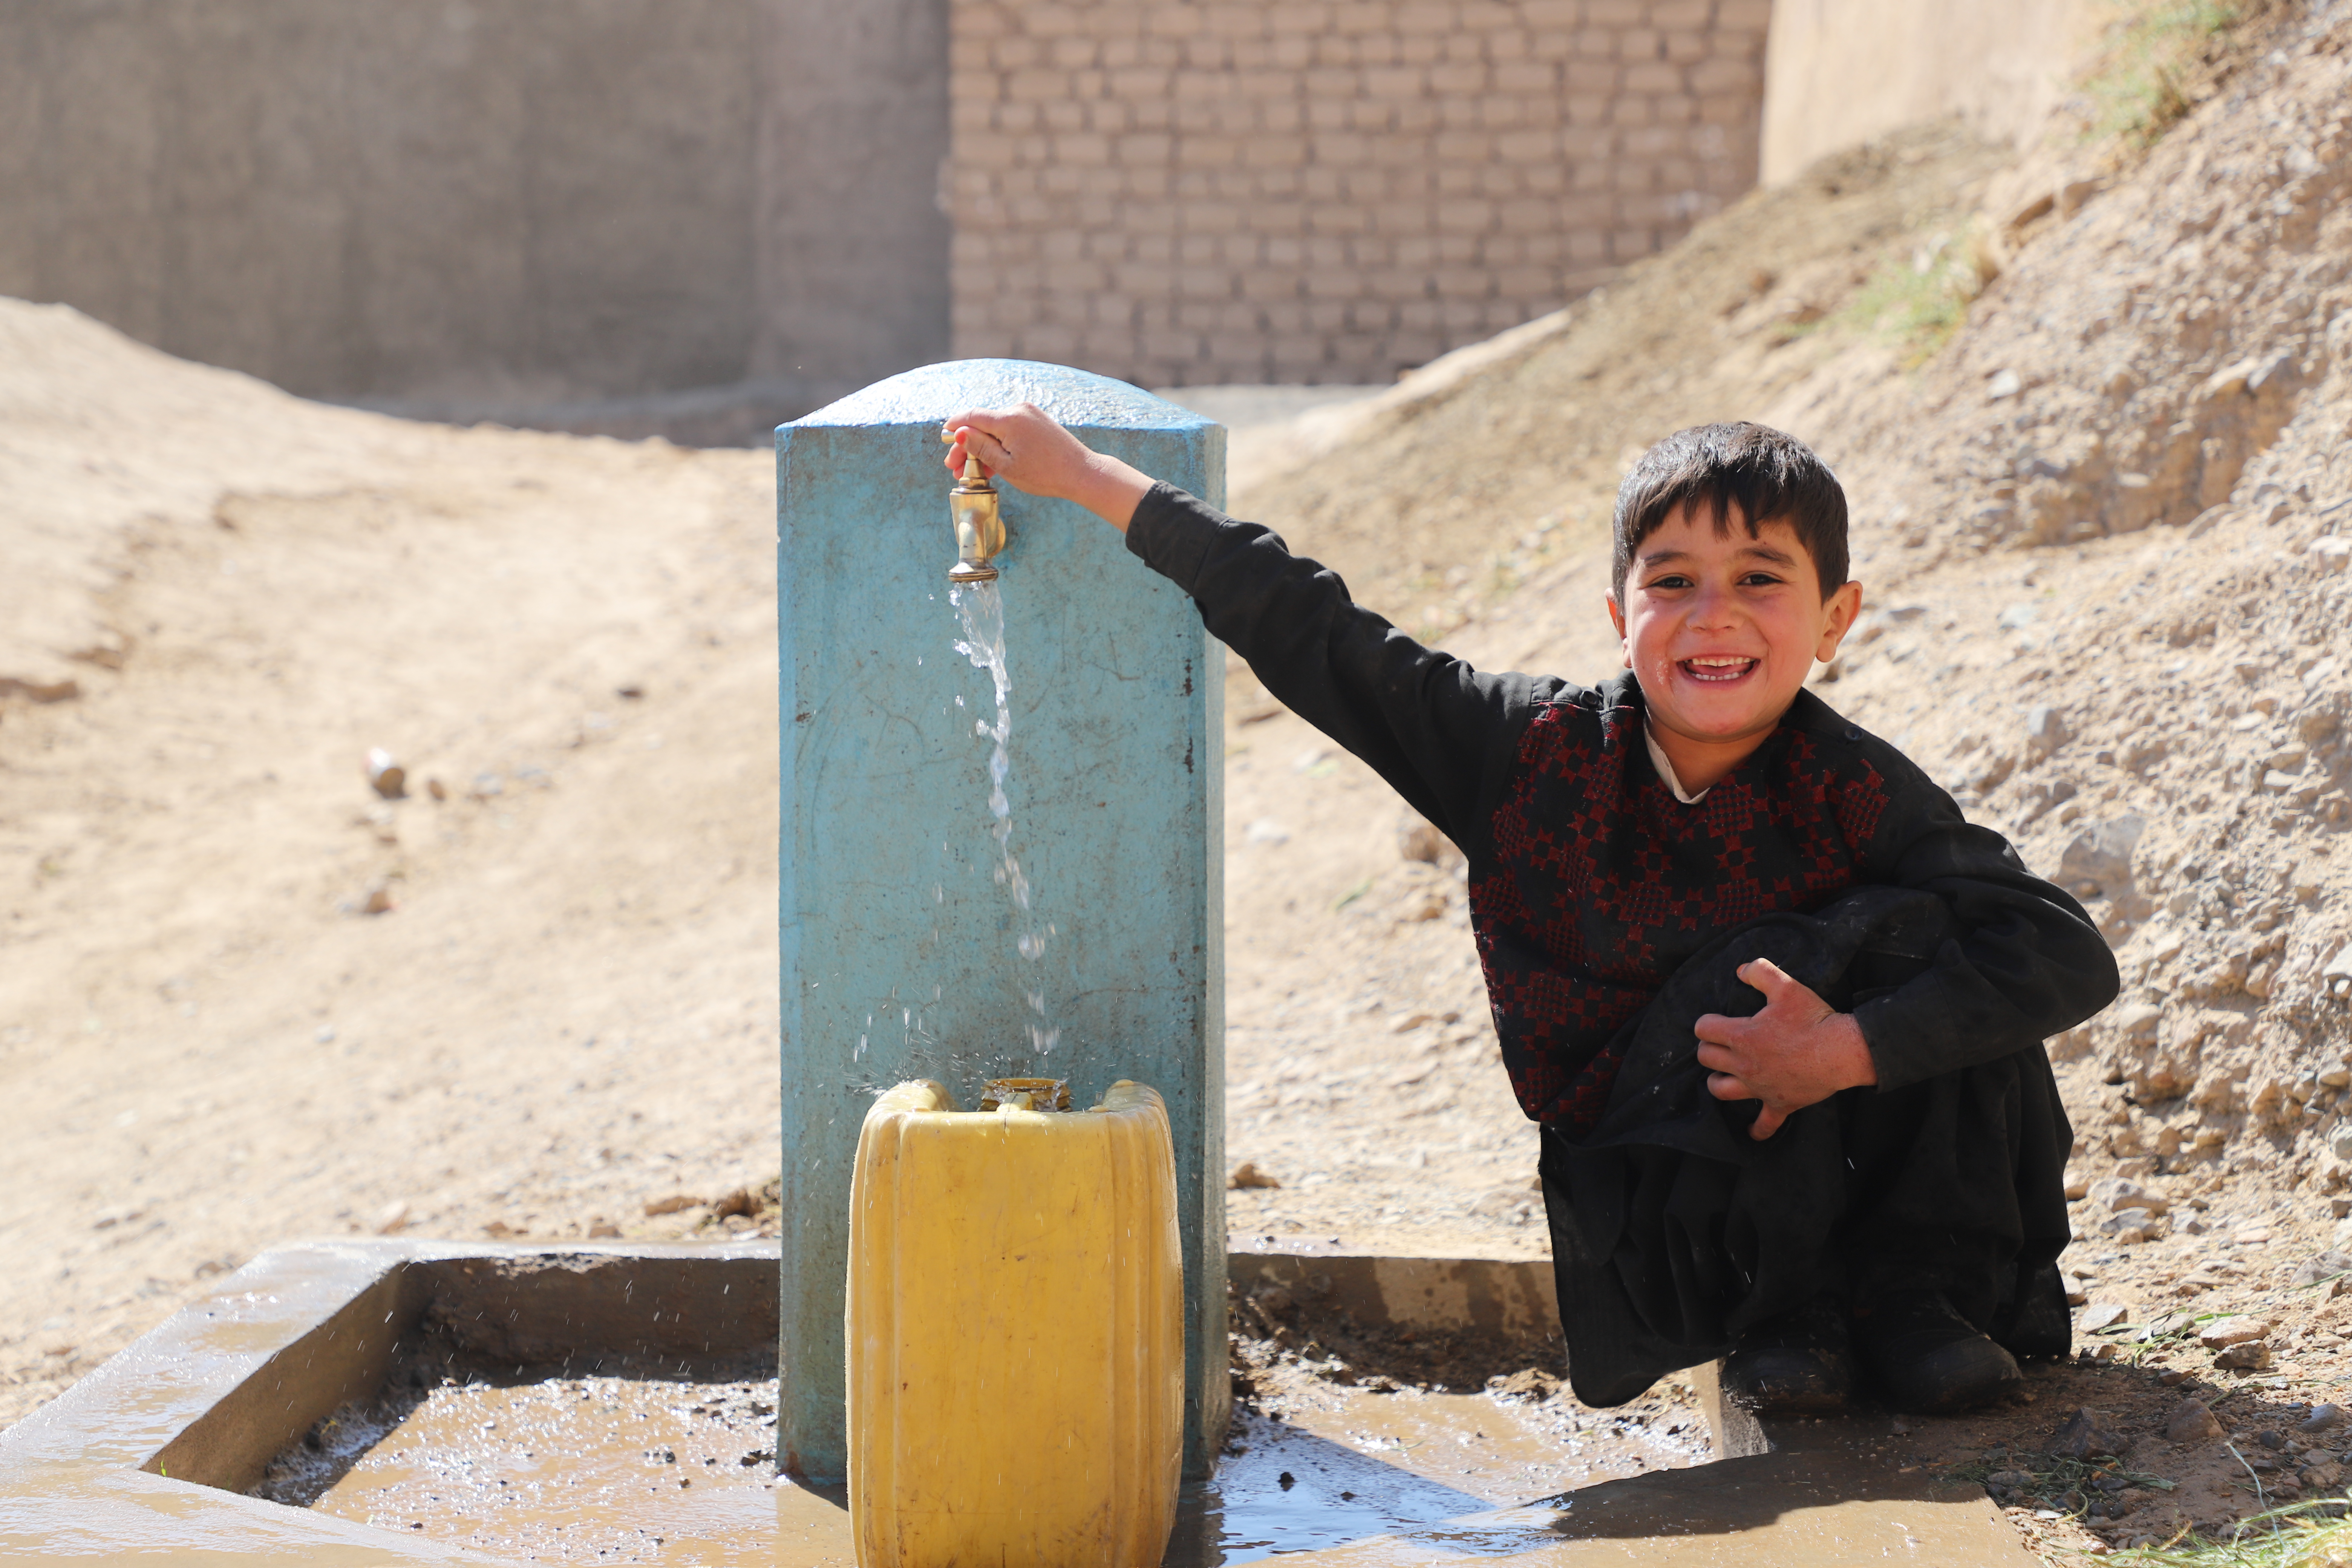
(1838,614)
(1617,619)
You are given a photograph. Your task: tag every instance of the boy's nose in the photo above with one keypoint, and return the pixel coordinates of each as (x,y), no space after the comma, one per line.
(1712,608)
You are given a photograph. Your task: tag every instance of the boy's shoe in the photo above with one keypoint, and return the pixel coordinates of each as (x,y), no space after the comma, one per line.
(1926,1358)
(2039,1323)
(1800,1362)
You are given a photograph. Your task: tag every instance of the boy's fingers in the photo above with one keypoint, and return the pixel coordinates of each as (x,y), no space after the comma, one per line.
(1724,1086)
(1768,1121)
(1721,1029)
(1720,1058)
(1766,976)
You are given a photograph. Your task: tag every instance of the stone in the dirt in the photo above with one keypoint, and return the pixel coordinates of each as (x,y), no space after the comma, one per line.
(2237,1329)
(2328,1264)
(2325,1475)
(2251,1355)
(676,1202)
(2087,1435)
(2100,855)
(2129,1225)
(1421,840)
(2321,1418)
(2102,1315)
(2136,1022)
(392,1219)
(1247,1175)
(2045,729)
(2117,1195)
(386,776)
(2191,1422)
(2077,1293)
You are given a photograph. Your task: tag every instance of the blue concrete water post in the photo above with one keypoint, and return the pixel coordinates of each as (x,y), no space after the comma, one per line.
(901,945)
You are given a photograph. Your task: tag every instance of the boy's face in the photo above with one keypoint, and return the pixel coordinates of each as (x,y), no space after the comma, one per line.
(1722,629)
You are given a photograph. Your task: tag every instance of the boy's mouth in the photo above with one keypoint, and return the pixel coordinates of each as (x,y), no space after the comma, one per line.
(1716,669)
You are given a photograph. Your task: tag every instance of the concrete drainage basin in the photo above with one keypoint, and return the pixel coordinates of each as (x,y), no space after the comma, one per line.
(412,1402)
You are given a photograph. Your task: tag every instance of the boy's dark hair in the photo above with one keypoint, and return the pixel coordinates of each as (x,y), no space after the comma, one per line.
(1772,476)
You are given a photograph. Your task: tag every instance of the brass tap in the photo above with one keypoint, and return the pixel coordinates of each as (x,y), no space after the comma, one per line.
(979,528)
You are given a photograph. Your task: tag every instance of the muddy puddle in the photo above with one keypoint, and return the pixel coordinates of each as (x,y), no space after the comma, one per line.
(633,1466)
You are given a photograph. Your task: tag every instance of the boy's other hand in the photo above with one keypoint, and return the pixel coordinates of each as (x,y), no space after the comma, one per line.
(1797,1052)
(1023,445)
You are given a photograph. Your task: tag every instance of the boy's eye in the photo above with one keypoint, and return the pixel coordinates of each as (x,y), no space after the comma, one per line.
(1670,580)
(1759,579)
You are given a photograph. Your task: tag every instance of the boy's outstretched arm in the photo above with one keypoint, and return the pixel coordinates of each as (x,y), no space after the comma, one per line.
(1797,1051)
(1441,733)
(1023,445)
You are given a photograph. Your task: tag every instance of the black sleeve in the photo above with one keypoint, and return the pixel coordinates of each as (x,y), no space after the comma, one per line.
(2027,962)
(1440,732)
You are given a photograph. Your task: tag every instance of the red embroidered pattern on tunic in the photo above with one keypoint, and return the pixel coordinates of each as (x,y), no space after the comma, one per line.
(1602,884)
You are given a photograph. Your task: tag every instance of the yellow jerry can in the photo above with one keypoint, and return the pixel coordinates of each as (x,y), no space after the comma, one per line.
(1016,1332)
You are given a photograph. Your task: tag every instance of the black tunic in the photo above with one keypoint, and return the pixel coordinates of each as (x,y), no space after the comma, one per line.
(1592,887)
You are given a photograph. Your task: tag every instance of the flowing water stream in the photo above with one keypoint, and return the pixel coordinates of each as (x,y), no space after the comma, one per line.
(981,606)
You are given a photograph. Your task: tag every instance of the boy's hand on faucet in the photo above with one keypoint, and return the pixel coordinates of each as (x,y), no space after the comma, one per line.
(1797,1052)
(1023,445)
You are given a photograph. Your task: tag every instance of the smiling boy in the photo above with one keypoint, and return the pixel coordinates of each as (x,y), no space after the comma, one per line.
(1776,1006)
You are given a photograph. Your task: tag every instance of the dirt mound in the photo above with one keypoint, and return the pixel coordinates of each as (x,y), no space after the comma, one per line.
(208,1042)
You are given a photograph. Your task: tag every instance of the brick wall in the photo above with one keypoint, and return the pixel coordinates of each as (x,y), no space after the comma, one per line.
(1183,191)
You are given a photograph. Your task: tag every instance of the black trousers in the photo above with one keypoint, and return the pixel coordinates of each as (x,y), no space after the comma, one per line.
(1673,1232)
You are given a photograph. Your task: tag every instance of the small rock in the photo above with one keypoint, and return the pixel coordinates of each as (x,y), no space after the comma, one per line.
(603,1230)
(2010,1480)
(377,900)
(1247,1175)
(1421,840)
(2077,1293)
(388,778)
(2078,1186)
(2251,1355)
(2191,1422)
(392,1219)
(2321,1418)
(2045,729)
(1265,830)
(2102,1315)
(2129,1226)
(2087,1435)
(2323,1476)
(2117,1195)
(2331,553)
(2102,855)
(676,1202)
(2272,1438)
(2004,384)
(2237,1329)
(2326,1266)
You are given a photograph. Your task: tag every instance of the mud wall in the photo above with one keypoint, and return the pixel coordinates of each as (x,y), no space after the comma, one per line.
(477,203)
(1838,72)
(1302,191)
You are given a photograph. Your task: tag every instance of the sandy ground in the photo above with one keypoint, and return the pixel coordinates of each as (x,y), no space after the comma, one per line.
(2118,496)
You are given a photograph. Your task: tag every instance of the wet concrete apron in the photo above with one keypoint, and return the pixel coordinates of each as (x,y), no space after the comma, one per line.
(625,1470)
